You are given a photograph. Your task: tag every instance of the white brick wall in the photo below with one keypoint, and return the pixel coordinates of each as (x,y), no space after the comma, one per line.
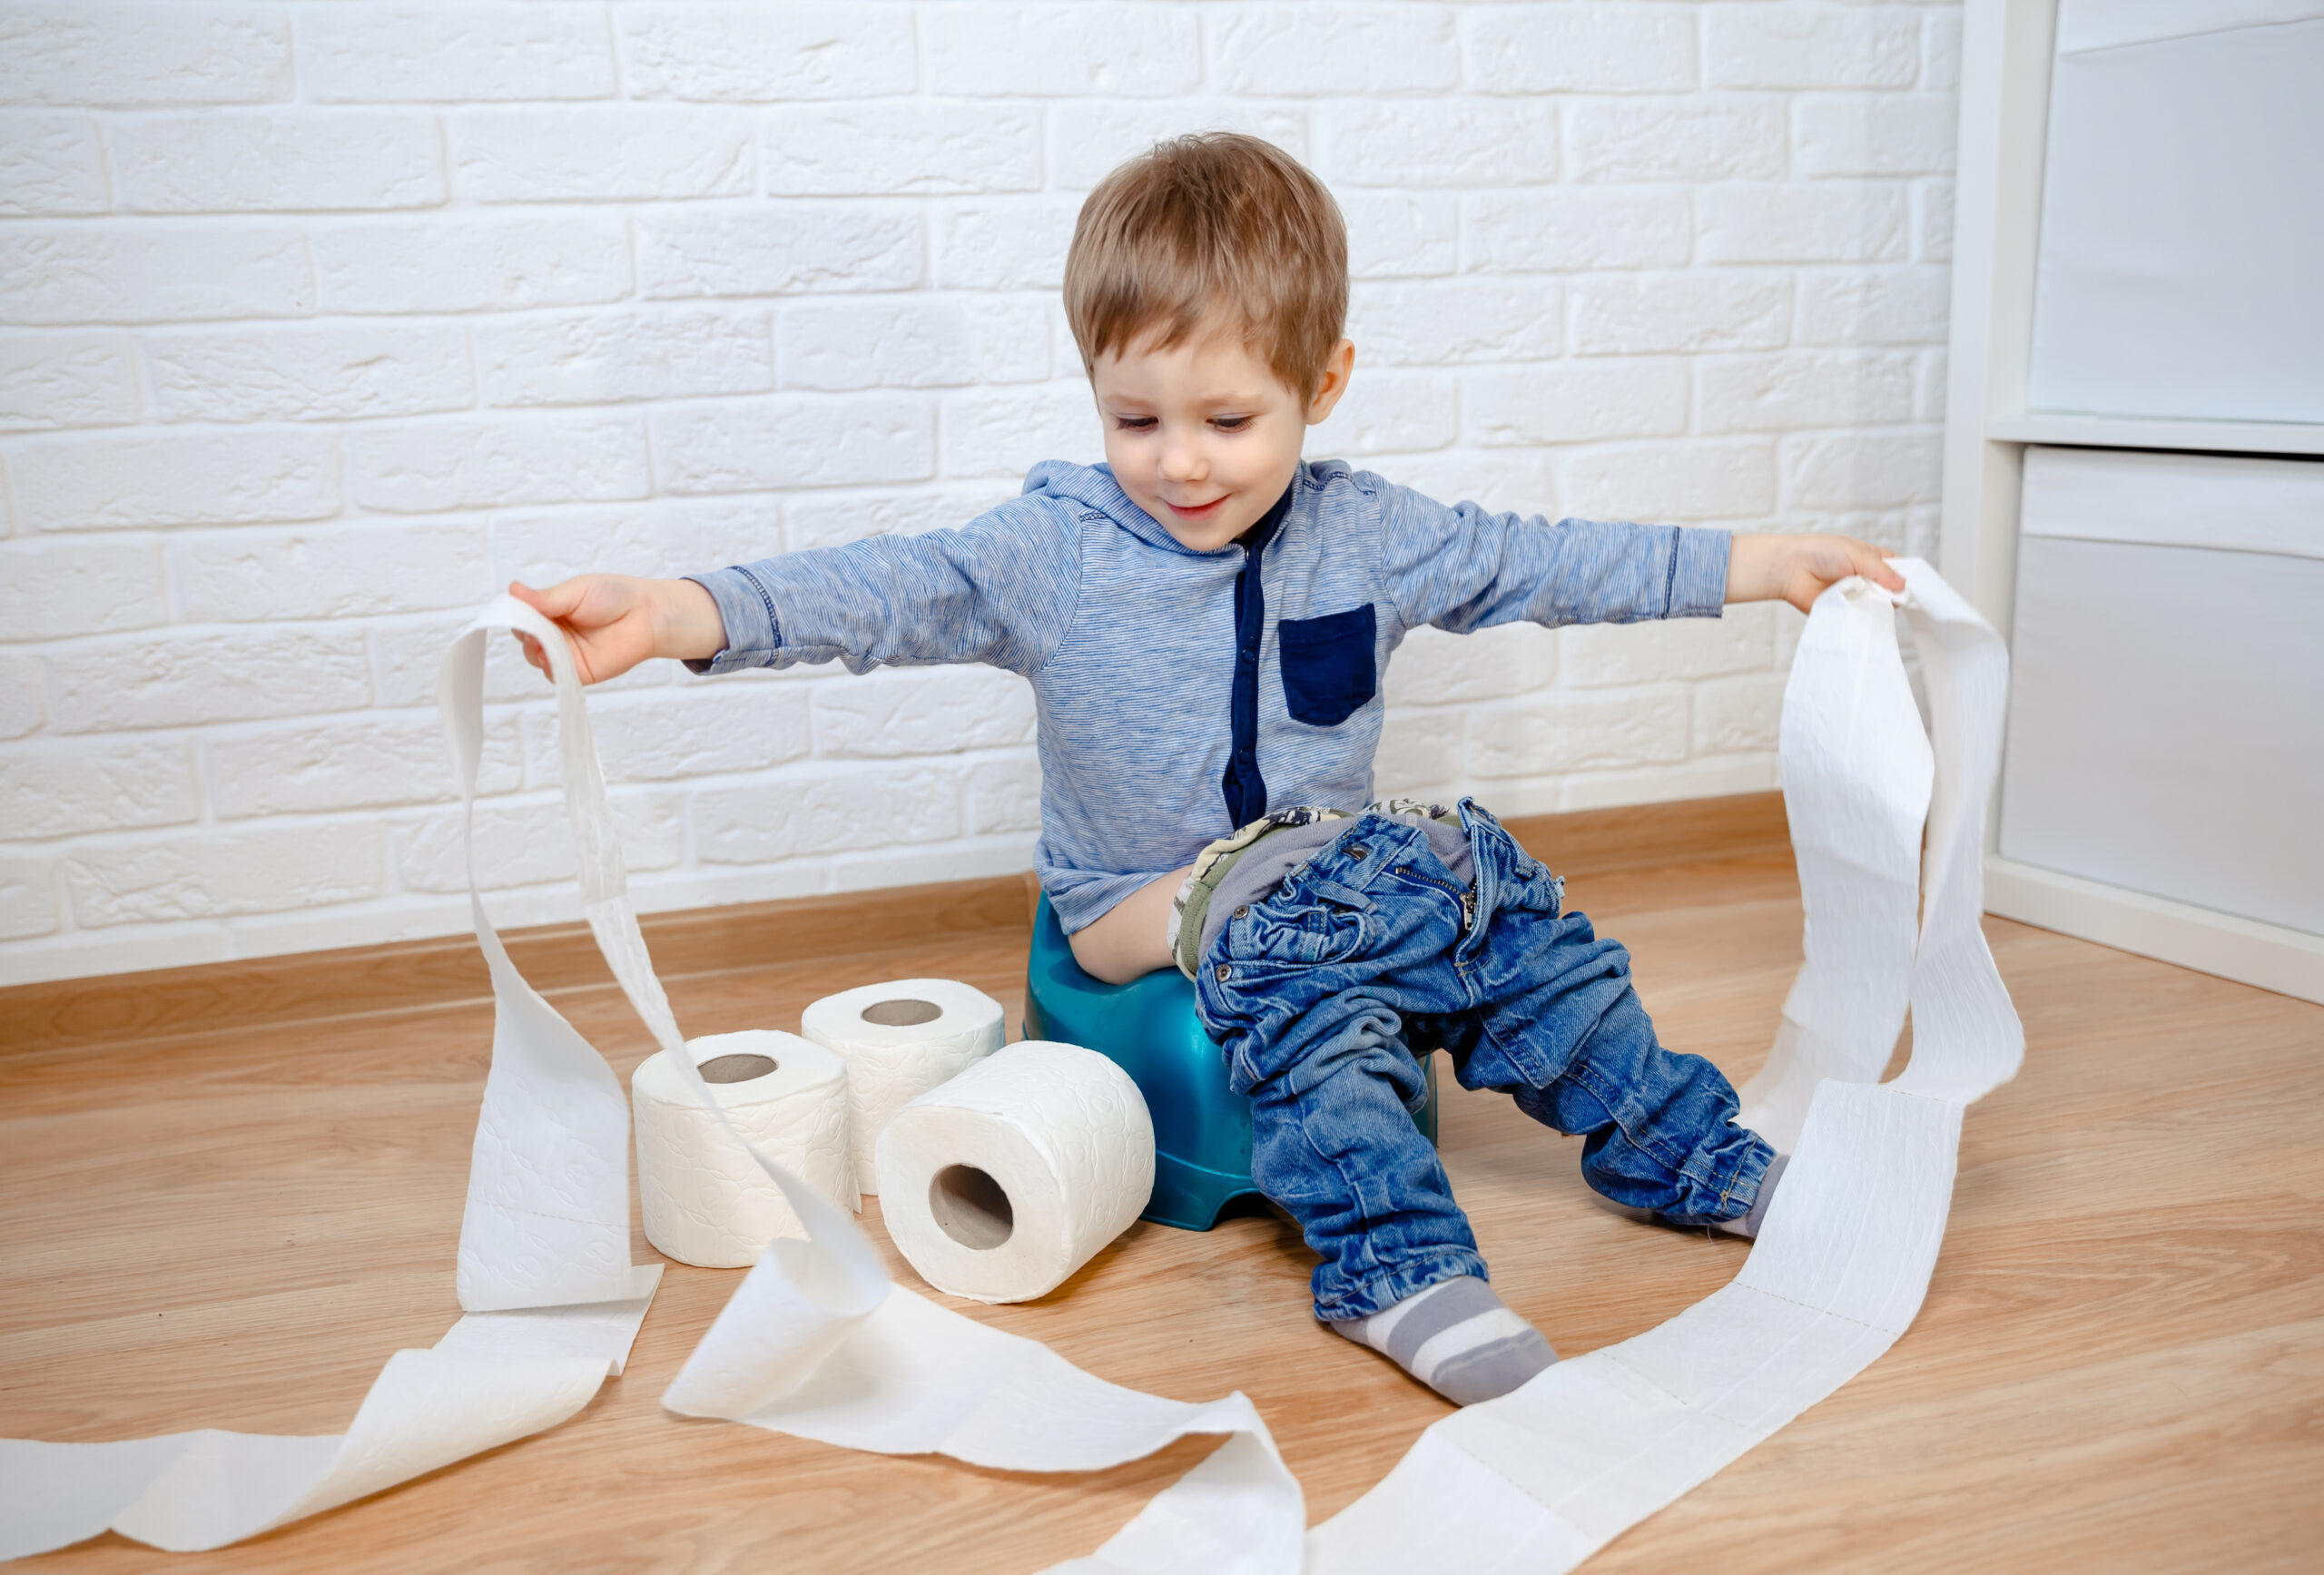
(318,321)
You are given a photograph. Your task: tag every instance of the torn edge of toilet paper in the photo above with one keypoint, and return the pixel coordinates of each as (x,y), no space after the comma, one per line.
(551,1300)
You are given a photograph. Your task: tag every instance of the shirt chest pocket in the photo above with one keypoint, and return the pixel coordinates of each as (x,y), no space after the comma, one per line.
(1328,667)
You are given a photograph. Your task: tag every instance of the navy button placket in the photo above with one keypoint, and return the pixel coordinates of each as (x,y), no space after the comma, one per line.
(1245,789)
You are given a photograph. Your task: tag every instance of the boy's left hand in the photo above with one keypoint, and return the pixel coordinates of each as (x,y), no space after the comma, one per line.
(1799,568)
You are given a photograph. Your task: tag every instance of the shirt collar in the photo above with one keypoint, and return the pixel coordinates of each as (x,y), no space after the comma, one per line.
(1255,540)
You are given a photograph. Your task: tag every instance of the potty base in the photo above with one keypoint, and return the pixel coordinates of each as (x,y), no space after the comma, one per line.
(1148,1027)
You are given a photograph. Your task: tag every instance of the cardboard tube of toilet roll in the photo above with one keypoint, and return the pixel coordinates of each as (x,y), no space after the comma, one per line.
(706,1201)
(899,1041)
(1001,1182)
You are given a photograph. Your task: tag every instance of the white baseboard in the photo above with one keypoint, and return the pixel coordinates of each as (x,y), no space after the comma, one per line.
(2288,961)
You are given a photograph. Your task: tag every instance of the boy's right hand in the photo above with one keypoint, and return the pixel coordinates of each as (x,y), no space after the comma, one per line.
(613,622)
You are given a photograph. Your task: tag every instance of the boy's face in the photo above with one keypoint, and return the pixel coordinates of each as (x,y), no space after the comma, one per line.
(1202,435)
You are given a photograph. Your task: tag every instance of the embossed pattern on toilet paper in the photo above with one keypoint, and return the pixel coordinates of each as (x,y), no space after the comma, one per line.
(891,1064)
(707,1203)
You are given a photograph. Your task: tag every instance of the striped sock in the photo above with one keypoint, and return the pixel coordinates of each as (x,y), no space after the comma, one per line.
(1458,1338)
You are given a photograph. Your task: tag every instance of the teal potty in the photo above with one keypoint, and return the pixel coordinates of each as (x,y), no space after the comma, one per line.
(1202,1128)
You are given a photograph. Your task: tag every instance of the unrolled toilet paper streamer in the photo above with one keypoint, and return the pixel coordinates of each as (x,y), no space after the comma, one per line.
(814,1340)
(1857,849)
(551,1299)
(1542,1478)
(815,1343)
(900,1039)
(1001,1182)
(705,1201)
(818,1342)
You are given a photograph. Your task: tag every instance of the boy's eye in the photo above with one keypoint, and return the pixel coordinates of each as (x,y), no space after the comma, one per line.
(1135,423)
(1230,423)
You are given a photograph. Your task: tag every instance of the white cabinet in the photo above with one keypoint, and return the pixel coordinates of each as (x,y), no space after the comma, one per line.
(2138,302)
(2166,728)
(2181,269)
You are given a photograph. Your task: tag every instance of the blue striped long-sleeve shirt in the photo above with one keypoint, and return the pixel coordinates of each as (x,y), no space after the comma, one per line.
(1149,745)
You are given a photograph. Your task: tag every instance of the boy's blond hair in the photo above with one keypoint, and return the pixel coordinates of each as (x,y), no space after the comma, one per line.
(1219,229)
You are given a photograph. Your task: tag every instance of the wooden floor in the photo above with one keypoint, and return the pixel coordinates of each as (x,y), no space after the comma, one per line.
(228,1194)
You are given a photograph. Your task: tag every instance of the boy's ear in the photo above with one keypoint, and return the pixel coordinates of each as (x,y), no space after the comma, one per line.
(1338,367)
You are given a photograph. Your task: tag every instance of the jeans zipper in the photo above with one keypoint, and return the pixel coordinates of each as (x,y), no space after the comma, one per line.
(1468,897)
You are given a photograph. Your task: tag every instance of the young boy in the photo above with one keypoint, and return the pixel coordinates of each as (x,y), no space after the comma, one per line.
(1203,620)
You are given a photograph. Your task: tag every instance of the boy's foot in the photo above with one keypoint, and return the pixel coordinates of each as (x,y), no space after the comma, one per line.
(1748,1227)
(1458,1338)
(1746,1224)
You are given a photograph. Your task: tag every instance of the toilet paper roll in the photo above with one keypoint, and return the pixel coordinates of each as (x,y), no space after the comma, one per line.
(706,1201)
(900,1039)
(999,1185)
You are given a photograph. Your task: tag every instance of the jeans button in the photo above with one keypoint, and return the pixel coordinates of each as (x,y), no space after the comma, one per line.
(1225,972)
(1359,852)
(1241,908)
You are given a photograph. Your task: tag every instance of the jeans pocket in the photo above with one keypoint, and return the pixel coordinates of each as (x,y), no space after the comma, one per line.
(1297,928)
(1529,886)
(1329,668)
(1544,893)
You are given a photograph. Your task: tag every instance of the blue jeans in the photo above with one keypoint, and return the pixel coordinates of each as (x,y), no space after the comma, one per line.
(1319,994)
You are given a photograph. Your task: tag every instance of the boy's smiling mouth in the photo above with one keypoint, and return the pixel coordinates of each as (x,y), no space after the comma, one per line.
(1197,510)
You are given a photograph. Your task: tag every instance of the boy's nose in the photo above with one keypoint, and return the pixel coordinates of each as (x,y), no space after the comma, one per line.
(1183,462)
